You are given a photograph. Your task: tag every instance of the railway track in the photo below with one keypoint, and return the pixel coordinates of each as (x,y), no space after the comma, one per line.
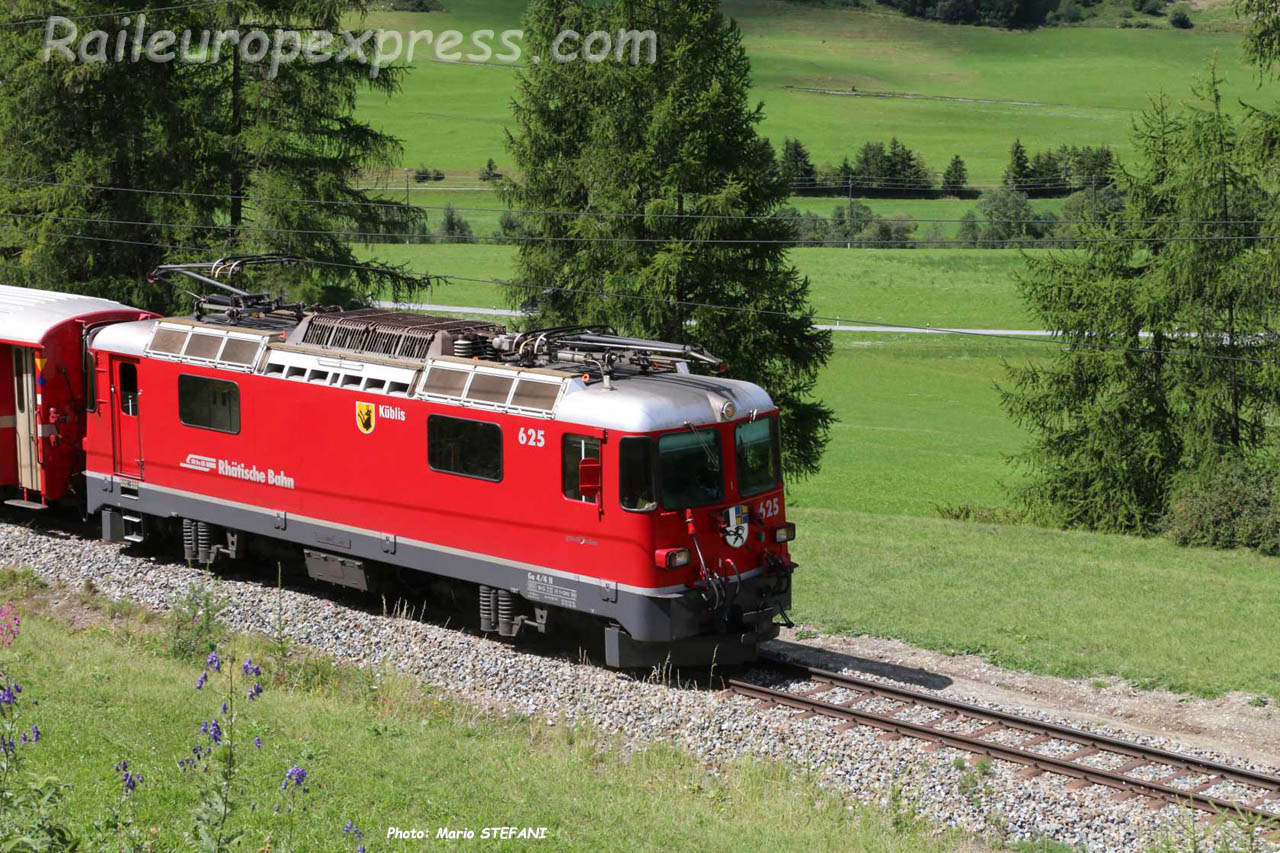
(1130,769)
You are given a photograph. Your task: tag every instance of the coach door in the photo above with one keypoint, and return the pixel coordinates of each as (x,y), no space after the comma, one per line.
(124,407)
(24,411)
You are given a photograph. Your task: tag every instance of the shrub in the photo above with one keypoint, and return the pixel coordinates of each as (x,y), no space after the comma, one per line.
(1068,13)
(454,228)
(422,174)
(1230,505)
(1149,7)
(195,629)
(416,6)
(1180,17)
(980,514)
(490,171)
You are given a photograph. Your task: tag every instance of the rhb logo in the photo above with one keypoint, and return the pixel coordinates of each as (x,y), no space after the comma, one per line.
(196,462)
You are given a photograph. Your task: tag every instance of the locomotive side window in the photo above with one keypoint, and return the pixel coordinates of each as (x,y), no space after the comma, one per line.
(635,475)
(468,448)
(575,449)
(759,466)
(209,403)
(129,388)
(690,469)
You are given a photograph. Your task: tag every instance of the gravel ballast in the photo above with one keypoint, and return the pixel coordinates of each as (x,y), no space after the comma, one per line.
(716,726)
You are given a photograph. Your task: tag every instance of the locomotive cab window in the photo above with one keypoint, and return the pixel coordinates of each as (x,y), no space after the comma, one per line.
(466,448)
(209,403)
(690,469)
(575,449)
(635,475)
(759,463)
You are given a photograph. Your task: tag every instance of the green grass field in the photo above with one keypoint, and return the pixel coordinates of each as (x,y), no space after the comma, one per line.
(1064,603)
(451,117)
(919,425)
(382,752)
(971,288)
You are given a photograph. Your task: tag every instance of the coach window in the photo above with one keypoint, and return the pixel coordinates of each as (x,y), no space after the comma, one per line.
(129,388)
(209,403)
(576,448)
(635,475)
(466,448)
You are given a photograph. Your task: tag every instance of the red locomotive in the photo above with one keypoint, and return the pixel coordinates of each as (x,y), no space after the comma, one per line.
(552,473)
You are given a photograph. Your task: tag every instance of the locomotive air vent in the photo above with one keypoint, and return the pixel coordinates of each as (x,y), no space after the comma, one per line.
(388,333)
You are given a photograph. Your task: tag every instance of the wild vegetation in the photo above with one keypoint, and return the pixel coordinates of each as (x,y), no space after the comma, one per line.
(128,756)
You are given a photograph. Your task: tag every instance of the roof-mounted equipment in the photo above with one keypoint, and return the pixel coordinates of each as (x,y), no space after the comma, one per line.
(233,305)
(603,348)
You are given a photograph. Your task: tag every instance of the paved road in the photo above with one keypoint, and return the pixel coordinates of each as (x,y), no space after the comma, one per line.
(506,312)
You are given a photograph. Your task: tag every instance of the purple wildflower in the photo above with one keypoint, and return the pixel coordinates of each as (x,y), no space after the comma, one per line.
(204,676)
(250,668)
(7,695)
(214,662)
(35,733)
(257,742)
(296,775)
(128,779)
(255,691)
(224,707)
(215,732)
(9,626)
(22,740)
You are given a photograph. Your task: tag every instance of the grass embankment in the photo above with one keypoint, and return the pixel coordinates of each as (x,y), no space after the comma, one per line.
(452,117)
(920,424)
(1071,604)
(379,751)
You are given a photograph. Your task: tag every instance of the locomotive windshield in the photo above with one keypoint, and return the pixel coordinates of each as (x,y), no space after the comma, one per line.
(689,469)
(759,468)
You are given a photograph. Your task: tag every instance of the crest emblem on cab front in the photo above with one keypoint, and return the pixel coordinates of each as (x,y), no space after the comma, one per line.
(736,525)
(366,417)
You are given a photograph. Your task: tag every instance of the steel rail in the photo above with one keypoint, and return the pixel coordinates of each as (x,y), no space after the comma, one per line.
(1087,743)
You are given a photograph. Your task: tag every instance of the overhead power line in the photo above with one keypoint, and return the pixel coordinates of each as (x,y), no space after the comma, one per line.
(738,309)
(849,242)
(117,14)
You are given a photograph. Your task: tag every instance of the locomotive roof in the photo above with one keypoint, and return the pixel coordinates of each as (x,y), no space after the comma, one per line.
(27,315)
(631,402)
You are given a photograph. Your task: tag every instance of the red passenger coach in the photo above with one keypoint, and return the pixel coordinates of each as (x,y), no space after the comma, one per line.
(558,476)
(42,379)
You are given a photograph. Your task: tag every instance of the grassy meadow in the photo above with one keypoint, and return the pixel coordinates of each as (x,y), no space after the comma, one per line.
(956,288)
(452,117)
(1064,603)
(379,751)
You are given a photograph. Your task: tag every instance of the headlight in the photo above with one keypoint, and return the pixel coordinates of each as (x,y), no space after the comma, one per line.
(784,532)
(671,558)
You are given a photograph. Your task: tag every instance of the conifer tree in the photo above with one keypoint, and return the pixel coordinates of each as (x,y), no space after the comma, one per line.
(207,159)
(956,177)
(664,140)
(1017,175)
(1162,371)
